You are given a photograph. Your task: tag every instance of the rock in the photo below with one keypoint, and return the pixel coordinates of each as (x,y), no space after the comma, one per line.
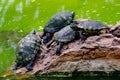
(95,54)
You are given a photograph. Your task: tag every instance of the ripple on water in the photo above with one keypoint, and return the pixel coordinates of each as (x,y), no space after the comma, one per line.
(85,2)
(36,13)
(94,11)
(10,1)
(1,49)
(19,7)
(0,8)
(117,4)
(63,8)
(27,2)
(11,44)
(103,7)
(3,1)
(118,13)
(1,21)
(17,18)
(109,1)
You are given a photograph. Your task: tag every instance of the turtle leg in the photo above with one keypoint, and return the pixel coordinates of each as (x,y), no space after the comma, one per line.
(47,38)
(59,47)
(29,66)
(43,34)
(49,43)
(81,35)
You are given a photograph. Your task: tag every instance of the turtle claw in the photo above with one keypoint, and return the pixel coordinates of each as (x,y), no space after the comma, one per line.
(59,47)
(57,51)
(81,36)
(14,68)
(49,43)
(29,66)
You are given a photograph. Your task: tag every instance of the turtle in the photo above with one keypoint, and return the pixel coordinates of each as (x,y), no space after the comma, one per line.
(26,51)
(65,35)
(88,28)
(55,23)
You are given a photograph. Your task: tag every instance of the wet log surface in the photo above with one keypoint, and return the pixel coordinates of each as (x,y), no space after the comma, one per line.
(96,54)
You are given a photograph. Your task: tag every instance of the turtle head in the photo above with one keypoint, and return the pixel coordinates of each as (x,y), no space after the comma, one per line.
(74,27)
(47,38)
(73,14)
(33,32)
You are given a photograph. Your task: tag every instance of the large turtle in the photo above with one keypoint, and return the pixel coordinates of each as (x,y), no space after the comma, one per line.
(56,22)
(65,35)
(27,50)
(89,28)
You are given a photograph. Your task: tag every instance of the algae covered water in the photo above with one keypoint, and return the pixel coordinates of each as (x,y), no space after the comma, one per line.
(19,17)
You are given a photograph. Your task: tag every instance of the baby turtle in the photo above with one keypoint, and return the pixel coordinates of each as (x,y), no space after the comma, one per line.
(27,50)
(56,22)
(89,28)
(65,35)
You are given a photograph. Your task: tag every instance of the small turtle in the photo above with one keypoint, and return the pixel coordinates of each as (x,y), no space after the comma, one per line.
(27,50)
(65,35)
(89,28)
(56,22)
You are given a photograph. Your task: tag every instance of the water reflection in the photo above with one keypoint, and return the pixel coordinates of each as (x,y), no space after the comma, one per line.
(109,1)
(17,18)
(8,43)
(4,9)
(19,7)
(3,1)
(36,13)
(27,2)
(117,4)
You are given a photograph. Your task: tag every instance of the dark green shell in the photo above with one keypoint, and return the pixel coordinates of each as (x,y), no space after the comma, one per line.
(90,24)
(58,21)
(27,48)
(89,27)
(65,35)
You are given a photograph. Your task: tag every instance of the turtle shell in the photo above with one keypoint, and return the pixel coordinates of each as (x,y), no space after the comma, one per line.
(65,35)
(89,27)
(58,21)
(90,24)
(27,49)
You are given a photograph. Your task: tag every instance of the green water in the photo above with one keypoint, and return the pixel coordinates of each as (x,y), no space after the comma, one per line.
(19,17)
